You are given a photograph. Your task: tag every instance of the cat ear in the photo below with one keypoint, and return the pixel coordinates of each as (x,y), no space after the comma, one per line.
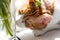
(52,7)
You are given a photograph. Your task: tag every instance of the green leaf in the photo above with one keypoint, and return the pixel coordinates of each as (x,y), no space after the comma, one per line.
(5,15)
(38,2)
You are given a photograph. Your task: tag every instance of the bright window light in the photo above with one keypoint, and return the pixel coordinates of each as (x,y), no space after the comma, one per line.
(57,38)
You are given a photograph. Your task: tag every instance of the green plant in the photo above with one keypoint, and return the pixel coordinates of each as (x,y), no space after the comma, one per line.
(6,16)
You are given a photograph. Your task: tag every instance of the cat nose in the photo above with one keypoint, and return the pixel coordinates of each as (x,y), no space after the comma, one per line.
(47,18)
